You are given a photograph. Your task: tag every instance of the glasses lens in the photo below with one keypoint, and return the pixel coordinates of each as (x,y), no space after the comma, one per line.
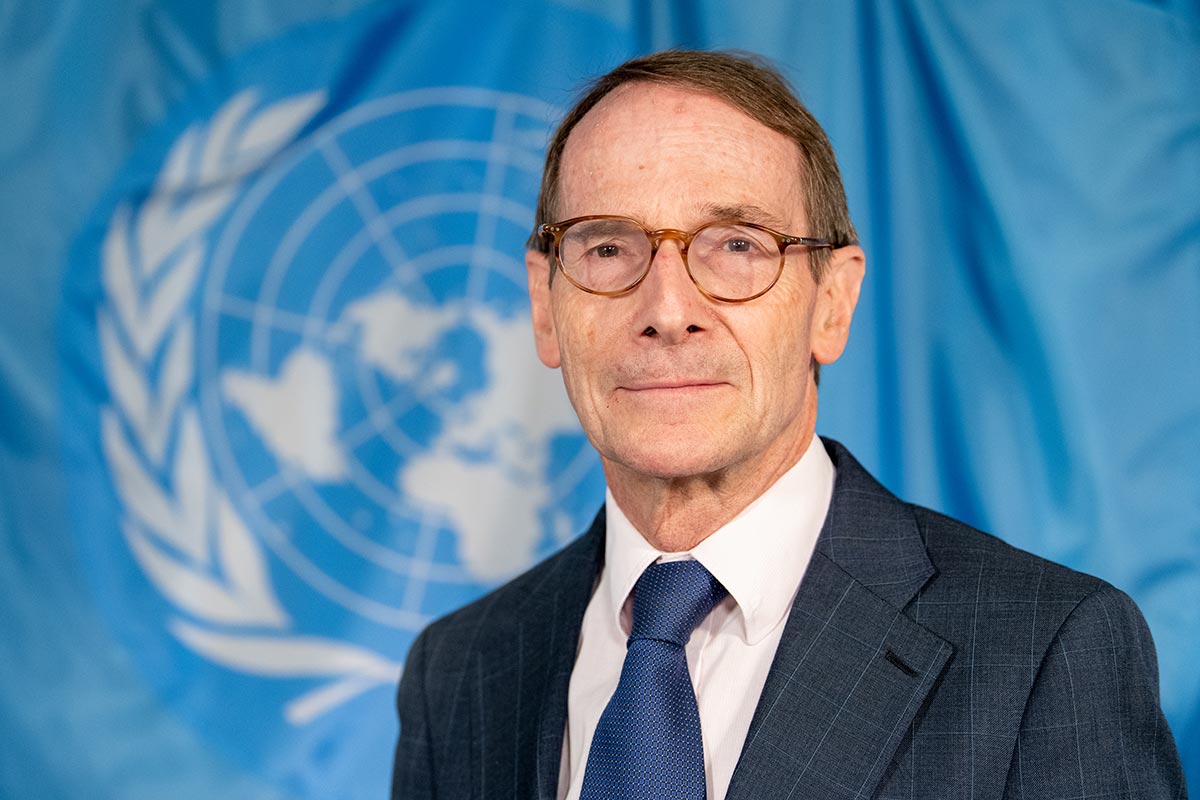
(605,255)
(734,261)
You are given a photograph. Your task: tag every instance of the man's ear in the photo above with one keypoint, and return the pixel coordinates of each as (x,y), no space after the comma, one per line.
(837,295)
(544,336)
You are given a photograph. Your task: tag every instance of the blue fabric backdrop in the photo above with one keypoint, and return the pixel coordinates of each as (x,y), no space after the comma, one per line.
(263,384)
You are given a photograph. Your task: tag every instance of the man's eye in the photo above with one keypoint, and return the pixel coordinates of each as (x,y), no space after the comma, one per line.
(738,245)
(607,250)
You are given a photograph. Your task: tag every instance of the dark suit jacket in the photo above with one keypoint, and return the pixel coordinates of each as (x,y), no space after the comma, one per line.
(922,658)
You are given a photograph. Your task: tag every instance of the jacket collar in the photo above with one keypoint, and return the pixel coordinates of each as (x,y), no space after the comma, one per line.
(871,534)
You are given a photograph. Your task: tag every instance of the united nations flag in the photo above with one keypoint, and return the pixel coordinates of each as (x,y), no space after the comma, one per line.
(269,401)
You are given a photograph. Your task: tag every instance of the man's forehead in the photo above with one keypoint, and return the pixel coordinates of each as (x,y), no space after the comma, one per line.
(652,135)
(648,101)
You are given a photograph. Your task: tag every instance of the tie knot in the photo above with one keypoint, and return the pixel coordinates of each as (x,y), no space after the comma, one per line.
(671,598)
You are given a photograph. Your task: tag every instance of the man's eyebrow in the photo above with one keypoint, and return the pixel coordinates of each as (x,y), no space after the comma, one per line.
(742,212)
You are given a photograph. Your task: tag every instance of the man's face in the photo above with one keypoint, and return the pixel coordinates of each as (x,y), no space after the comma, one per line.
(666,382)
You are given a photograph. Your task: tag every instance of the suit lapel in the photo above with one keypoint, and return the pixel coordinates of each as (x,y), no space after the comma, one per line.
(852,670)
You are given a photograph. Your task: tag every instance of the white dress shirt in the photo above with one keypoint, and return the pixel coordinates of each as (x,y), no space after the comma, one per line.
(759,556)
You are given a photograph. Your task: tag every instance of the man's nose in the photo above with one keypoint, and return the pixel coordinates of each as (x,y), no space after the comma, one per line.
(670,305)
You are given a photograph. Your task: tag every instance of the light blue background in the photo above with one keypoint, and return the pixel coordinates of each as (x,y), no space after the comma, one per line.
(1025,177)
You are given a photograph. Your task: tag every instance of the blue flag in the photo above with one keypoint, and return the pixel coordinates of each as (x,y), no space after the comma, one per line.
(268,397)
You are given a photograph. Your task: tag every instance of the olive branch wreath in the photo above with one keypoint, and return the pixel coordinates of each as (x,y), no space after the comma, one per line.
(178,522)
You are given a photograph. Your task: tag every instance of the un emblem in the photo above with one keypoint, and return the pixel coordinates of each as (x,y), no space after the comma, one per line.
(325,422)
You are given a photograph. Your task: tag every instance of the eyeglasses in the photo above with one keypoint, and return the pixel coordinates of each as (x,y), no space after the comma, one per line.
(728,261)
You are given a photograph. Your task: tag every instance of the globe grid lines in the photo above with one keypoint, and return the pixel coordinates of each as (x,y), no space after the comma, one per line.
(277,319)
(426,540)
(349,256)
(426,543)
(289,478)
(355,190)
(382,412)
(493,183)
(301,565)
(346,259)
(358,433)
(350,184)
(320,205)
(423,553)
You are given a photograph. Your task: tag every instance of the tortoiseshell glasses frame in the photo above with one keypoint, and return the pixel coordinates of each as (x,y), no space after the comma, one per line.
(750,271)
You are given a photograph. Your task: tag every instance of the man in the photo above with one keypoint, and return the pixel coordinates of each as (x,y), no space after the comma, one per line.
(752,615)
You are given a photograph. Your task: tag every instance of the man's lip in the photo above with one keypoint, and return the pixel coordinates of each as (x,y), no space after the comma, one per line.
(648,386)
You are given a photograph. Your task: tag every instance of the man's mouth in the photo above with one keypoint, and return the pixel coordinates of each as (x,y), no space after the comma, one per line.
(672,385)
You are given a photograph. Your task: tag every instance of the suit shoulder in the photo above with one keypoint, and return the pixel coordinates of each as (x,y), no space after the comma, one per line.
(970,569)
(953,545)
(998,604)
(973,566)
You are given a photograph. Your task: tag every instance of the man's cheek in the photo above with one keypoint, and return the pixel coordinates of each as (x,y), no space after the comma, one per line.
(590,334)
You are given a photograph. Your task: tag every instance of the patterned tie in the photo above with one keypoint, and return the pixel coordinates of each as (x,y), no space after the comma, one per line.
(647,743)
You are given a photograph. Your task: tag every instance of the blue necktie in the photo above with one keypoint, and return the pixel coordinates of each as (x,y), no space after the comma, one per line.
(647,743)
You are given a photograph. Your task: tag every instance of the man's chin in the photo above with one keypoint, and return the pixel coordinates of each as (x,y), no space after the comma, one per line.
(667,459)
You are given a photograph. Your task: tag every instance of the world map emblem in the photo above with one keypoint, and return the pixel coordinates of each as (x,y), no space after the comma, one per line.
(324,422)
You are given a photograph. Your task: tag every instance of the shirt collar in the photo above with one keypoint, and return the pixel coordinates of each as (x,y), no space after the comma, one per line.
(759,556)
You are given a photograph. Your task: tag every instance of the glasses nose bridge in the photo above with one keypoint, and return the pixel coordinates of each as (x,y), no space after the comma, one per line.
(662,234)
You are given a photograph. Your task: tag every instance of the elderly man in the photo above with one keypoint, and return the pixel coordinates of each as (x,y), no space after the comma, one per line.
(752,615)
